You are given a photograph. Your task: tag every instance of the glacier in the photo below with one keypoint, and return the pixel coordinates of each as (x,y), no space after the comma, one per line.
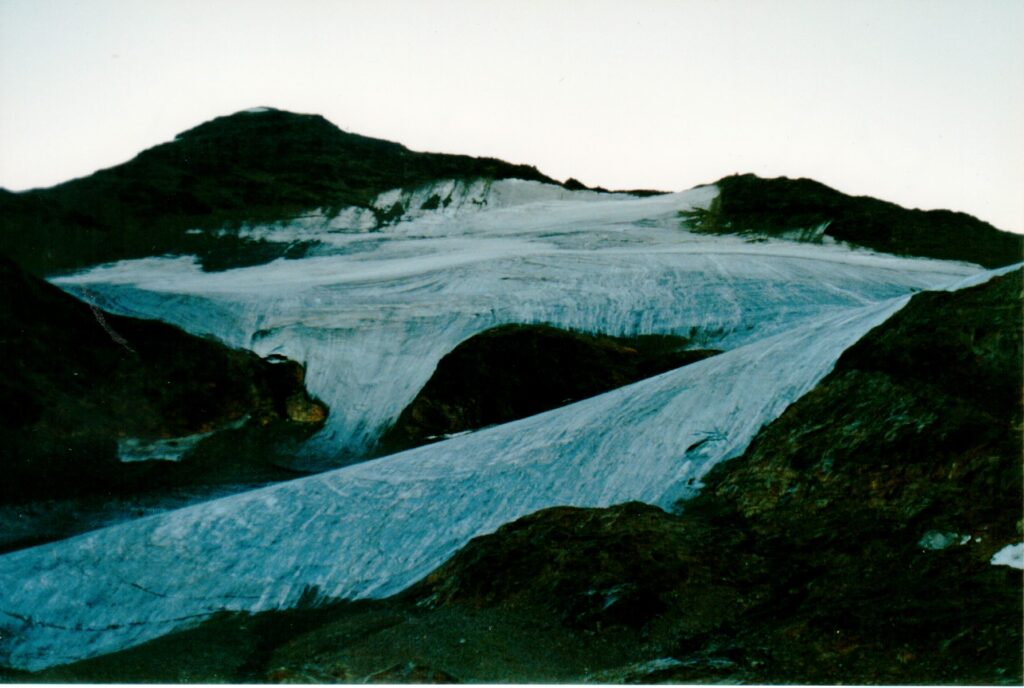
(370,315)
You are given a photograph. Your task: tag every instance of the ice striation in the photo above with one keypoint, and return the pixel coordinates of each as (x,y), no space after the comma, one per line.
(370,317)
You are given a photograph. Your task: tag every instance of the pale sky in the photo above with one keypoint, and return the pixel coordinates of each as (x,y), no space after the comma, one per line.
(917,102)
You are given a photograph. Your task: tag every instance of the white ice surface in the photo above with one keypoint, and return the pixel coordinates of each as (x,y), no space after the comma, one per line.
(371,317)
(1011,555)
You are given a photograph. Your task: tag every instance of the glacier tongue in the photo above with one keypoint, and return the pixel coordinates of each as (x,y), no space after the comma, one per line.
(373,313)
(373,528)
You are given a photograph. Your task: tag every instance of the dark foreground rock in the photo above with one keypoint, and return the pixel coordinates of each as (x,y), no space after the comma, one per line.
(85,390)
(882,496)
(851,543)
(515,371)
(808,210)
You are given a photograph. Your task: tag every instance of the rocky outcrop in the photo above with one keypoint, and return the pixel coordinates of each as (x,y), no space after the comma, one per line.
(809,211)
(852,543)
(882,496)
(87,390)
(514,371)
(917,428)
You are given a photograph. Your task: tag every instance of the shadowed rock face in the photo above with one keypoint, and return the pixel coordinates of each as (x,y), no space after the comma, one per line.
(80,382)
(248,167)
(851,543)
(515,371)
(918,427)
(882,496)
(748,204)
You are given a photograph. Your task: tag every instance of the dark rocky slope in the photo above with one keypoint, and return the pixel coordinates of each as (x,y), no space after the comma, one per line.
(515,371)
(851,543)
(748,204)
(247,167)
(78,381)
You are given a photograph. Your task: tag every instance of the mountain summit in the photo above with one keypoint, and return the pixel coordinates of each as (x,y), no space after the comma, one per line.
(258,165)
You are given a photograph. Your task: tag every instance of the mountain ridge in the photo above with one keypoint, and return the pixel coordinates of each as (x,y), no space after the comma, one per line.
(190,195)
(245,167)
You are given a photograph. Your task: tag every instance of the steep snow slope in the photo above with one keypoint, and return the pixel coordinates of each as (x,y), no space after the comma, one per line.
(370,314)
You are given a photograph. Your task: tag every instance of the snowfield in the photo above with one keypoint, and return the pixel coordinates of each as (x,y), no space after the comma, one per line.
(370,315)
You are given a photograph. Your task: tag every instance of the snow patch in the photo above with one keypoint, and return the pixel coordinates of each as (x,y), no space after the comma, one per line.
(936,540)
(1011,555)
